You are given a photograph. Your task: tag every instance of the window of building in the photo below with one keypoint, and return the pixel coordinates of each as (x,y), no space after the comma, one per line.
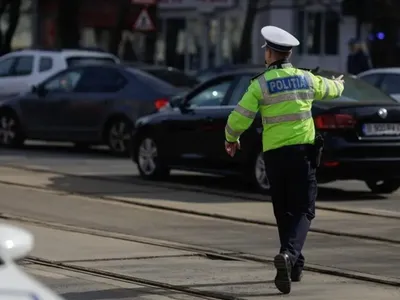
(318,32)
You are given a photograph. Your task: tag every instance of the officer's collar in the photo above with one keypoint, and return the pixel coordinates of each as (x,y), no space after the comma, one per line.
(280,64)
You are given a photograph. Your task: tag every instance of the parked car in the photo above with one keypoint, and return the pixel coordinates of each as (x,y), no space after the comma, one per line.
(86,105)
(16,244)
(386,79)
(207,74)
(361,131)
(20,70)
(171,75)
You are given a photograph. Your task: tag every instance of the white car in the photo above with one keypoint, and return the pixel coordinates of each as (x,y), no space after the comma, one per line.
(20,70)
(15,244)
(386,79)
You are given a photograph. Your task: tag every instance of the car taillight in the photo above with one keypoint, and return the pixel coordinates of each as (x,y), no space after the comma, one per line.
(160,103)
(335,121)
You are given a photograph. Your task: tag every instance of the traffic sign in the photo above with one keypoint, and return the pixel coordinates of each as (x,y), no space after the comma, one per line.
(144,22)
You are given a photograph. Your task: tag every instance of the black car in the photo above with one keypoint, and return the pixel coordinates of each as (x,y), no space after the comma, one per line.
(171,75)
(361,131)
(207,74)
(86,105)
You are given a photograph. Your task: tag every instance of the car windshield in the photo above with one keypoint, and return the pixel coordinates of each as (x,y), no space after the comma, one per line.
(176,78)
(358,90)
(73,61)
(153,81)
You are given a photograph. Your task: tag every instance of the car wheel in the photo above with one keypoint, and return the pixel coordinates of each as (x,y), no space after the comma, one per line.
(148,160)
(387,186)
(10,130)
(259,174)
(118,136)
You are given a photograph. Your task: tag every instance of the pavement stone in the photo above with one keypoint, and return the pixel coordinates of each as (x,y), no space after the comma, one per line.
(243,279)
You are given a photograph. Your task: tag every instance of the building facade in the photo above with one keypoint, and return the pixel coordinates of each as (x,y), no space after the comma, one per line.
(196,34)
(212,37)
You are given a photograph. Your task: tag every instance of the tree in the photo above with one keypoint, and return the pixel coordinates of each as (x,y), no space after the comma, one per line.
(244,52)
(124,9)
(12,7)
(68,27)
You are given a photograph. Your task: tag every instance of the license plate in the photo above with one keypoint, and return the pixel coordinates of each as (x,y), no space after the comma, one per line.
(381,129)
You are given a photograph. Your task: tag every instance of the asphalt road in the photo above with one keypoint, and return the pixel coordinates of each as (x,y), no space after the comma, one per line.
(98,162)
(76,201)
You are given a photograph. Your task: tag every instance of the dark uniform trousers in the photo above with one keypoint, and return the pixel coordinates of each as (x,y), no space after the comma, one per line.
(293,192)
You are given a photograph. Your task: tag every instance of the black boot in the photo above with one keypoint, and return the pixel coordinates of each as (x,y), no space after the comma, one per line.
(297,274)
(283,280)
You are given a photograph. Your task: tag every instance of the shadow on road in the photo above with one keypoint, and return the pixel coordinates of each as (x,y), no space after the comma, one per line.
(227,188)
(131,184)
(60,151)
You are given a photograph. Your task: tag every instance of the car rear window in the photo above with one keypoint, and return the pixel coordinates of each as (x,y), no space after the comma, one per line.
(154,82)
(175,78)
(73,61)
(358,90)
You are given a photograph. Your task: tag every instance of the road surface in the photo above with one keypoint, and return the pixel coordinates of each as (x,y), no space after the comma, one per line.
(114,215)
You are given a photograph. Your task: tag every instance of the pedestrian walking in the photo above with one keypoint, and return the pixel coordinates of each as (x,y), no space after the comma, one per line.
(284,95)
(358,59)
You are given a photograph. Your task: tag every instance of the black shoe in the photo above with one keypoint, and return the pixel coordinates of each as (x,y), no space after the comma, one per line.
(296,274)
(283,281)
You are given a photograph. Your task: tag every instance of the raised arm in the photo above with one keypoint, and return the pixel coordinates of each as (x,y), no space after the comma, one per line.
(326,89)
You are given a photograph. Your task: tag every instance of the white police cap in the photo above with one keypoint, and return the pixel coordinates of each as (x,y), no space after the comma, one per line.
(278,39)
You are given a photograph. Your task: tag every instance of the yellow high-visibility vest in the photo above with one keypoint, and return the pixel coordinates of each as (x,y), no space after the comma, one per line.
(284,97)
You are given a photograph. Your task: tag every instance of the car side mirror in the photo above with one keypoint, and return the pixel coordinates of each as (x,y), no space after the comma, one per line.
(15,243)
(176,101)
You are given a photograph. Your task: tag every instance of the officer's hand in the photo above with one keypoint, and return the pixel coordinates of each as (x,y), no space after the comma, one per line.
(338,79)
(231,148)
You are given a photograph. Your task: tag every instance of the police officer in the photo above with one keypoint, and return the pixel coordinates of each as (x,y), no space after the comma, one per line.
(284,95)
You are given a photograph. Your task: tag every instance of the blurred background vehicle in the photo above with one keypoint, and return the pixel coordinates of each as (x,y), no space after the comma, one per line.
(361,131)
(207,74)
(171,75)
(16,244)
(86,105)
(386,79)
(20,70)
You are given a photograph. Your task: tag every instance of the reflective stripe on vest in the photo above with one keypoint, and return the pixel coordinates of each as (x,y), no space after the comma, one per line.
(232,132)
(326,83)
(287,118)
(301,95)
(245,112)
